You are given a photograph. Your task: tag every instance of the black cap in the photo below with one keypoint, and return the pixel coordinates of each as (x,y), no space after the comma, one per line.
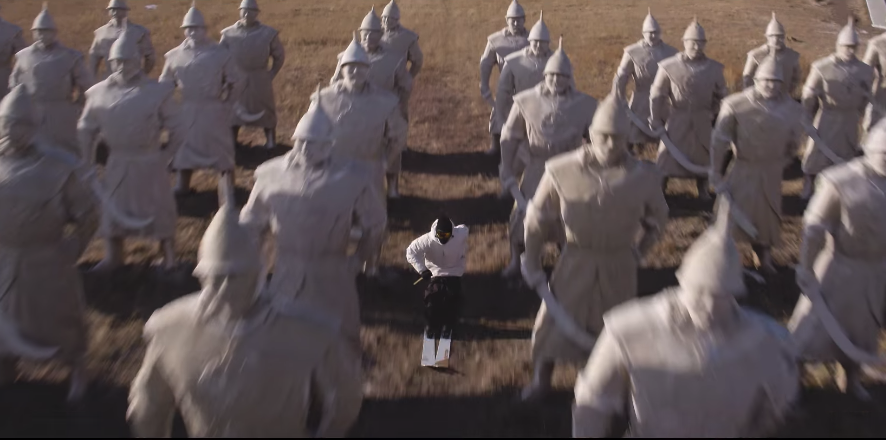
(444,224)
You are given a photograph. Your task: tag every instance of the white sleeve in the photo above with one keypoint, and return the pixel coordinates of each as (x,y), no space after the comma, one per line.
(415,253)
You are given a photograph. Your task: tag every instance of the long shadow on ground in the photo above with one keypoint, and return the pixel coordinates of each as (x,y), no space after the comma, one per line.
(452,164)
(203,204)
(250,157)
(417,214)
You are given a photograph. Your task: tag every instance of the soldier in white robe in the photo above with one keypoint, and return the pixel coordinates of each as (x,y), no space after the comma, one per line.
(684,101)
(761,128)
(106,35)
(210,83)
(49,219)
(690,362)
(786,58)
(52,73)
(498,46)
(11,42)
(640,63)
(546,120)
(849,270)
(308,201)
(252,44)
(875,56)
(387,70)
(835,95)
(401,40)
(129,111)
(523,69)
(602,197)
(369,127)
(235,364)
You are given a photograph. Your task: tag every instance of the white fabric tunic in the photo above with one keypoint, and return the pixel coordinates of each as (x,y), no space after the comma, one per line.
(443,260)
(105,37)
(11,42)
(679,381)
(40,287)
(310,212)
(498,46)
(130,119)
(51,77)
(259,378)
(203,73)
(787,58)
(640,62)
(251,47)
(387,70)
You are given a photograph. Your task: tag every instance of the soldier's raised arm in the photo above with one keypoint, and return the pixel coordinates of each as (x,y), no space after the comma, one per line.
(601,389)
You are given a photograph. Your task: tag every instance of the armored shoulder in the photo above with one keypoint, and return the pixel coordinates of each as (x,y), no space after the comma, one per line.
(639,316)
(229,29)
(737,100)
(176,315)
(670,62)
(97,89)
(564,165)
(526,96)
(822,64)
(635,50)
(518,54)
(840,174)
(759,53)
(270,168)
(495,36)
(172,52)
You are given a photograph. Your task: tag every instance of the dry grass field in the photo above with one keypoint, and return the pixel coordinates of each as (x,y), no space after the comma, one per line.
(444,167)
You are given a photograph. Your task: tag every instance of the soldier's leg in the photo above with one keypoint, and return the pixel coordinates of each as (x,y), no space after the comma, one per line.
(228,176)
(701,184)
(853,384)
(433,321)
(664,185)
(79,379)
(7,370)
(453,306)
(393,185)
(183,182)
(270,138)
(542,375)
(235,131)
(808,186)
(495,147)
(113,255)
(167,246)
(513,268)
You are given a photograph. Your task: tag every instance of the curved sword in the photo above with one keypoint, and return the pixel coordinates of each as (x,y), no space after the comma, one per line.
(812,132)
(245,116)
(12,343)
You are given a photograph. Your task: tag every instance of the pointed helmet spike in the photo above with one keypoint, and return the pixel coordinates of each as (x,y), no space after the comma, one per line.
(45,6)
(391,10)
(515,10)
(371,22)
(650,24)
(774,27)
(354,53)
(540,31)
(611,117)
(694,31)
(193,18)
(314,125)
(227,247)
(125,47)
(848,35)
(44,19)
(560,43)
(559,62)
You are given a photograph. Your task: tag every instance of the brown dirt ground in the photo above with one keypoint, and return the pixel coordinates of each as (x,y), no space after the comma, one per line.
(444,168)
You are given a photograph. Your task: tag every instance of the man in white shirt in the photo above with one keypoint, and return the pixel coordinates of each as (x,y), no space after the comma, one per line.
(439,256)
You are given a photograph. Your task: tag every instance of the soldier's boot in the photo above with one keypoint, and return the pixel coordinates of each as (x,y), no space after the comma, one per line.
(852,385)
(495,147)
(79,381)
(764,259)
(393,186)
(808,187)
(541,382)
(271,138)
(113,256)
(183,182)
(513,268)
(235,131)
(228,176)
(168,248)
(704,193)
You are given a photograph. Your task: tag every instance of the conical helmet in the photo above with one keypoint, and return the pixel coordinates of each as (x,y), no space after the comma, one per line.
(249,4)
(774,28)
(515,10)
(194,18)
(17,106)
(611,117)
(117,4)
(848,35)
(769,69)
(315,125)
(227,248)
(125,47)
(712,263)
(371,22)
(354,53)
(391,10)
(540,32)
(875,141)
(559,62)
(694,32)
(44,20)
(650,24)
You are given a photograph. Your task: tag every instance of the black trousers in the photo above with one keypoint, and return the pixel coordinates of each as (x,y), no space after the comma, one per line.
(442,305)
